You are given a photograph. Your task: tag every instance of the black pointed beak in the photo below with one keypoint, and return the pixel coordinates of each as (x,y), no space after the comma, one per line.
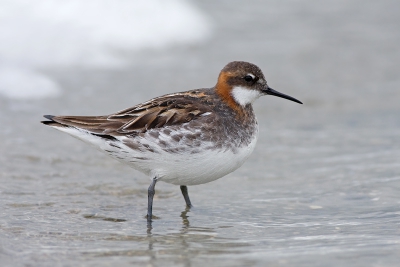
(270,91)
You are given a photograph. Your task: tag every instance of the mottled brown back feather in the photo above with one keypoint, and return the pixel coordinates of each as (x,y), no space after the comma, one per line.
(159,112)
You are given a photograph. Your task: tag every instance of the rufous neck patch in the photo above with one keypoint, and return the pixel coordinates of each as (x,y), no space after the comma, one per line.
(224,90)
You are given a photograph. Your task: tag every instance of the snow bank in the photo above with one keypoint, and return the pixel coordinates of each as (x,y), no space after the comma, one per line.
(92,33)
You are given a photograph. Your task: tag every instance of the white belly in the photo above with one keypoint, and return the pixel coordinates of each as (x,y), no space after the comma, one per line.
(191,166)
(199,168)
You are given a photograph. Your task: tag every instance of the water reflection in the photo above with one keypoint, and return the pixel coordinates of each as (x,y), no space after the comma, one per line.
(184,216)
(185,220)
(181,246)
(189,244)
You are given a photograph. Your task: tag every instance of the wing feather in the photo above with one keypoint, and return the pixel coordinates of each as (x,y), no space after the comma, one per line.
(157,113)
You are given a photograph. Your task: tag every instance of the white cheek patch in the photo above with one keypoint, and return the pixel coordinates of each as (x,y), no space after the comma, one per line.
(245,96)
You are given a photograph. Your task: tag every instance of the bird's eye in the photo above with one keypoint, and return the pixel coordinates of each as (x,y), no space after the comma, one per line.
(248,78)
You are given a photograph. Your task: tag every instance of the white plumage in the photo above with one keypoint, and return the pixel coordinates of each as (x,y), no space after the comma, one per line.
(189,166)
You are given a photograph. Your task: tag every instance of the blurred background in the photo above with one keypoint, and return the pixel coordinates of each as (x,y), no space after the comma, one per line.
(321,187)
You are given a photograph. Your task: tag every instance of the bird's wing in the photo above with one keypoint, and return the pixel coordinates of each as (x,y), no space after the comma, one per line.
(159,112)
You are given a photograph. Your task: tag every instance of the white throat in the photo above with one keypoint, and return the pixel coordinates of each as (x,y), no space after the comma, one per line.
(245,96)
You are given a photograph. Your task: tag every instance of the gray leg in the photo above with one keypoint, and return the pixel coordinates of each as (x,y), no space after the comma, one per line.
(186,195)
(151,193)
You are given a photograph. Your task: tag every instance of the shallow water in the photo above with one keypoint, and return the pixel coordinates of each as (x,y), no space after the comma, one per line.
(321,188)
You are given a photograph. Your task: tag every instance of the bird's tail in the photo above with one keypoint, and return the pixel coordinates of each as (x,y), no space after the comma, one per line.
(51,122)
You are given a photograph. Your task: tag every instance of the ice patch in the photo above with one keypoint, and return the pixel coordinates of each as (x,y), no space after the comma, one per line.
(90,33)
(17,83)
(93,32)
